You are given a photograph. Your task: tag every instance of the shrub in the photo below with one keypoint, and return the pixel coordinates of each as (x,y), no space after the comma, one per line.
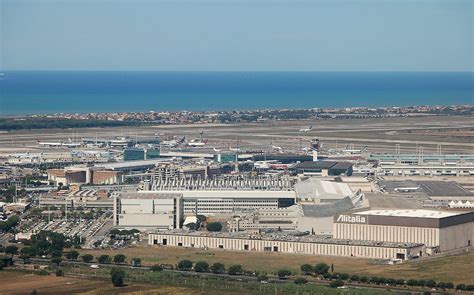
(43,273)
(235,270)
(449,285)
(321,268)
(218,268)
(327,276)
(412,282)
(300,281)
(469,288)
(87,258)
(400,282)
(391,282)
(354,278)
(262,278)
(214,226)
(430,284)
(201,266)
(185,265)
(344,276)
(307,269)
(104,259)
(283,273)
(337,283)
(59,273)
(156,268)
(364,279)
(461,287)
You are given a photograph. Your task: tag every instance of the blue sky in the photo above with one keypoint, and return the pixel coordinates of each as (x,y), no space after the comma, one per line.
(198,35)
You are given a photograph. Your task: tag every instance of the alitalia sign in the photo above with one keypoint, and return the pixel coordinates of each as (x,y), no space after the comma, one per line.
(351,219)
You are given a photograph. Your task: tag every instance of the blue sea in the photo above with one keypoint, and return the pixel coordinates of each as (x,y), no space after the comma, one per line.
(83,92)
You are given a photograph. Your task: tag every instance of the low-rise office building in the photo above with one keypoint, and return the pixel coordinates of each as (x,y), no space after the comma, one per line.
(148,211)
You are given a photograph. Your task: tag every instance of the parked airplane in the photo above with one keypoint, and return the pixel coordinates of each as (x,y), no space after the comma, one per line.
(306,129)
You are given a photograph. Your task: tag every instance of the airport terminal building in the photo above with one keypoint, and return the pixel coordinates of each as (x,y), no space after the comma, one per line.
(439,231)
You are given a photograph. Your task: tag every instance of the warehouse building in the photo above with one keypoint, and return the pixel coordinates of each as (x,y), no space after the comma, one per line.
(285,243)
(439,231)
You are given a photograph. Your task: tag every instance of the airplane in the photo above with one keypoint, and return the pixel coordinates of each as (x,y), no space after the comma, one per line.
(234,149)
(50,144)
(216,150)
(278,148)
(197,142)
(306,129)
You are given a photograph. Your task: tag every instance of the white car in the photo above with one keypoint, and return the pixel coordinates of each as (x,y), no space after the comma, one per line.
(95,266)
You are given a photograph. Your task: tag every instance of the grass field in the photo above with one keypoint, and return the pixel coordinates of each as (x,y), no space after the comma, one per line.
(13,282)
(456,269)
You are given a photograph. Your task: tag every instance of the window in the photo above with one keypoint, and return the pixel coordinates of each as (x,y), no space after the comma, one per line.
(246,247)
(165,242)
(180,244)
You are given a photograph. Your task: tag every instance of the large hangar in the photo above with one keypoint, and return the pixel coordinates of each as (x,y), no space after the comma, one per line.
(438,230)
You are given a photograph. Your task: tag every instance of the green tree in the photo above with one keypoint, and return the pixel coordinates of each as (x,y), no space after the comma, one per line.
(321,268)
(11,249)
(201,266)
(412,282)
(2,264)
(460,287)
(283,273)
(185,265)
(119,259)
(430,284)
(262,278)
(214,226)
(59,273)
(156,268)
(235,270)
(336,284)
(218,268)
(344,276)
(307,269)
(300,281)
(449,285)
(117,275)
(72,255)
(104,259)
(87,258)
(56,259)
(364,279)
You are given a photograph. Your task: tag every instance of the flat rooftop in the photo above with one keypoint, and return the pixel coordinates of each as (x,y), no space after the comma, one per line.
(288,237)
(150,195)
(422,213)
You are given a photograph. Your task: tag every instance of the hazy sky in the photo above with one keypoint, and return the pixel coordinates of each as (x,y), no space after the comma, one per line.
(352,35)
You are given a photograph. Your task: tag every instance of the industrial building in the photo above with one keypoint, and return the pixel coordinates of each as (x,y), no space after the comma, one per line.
(226,201)
(439,231)
(148,211)
(285,243)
